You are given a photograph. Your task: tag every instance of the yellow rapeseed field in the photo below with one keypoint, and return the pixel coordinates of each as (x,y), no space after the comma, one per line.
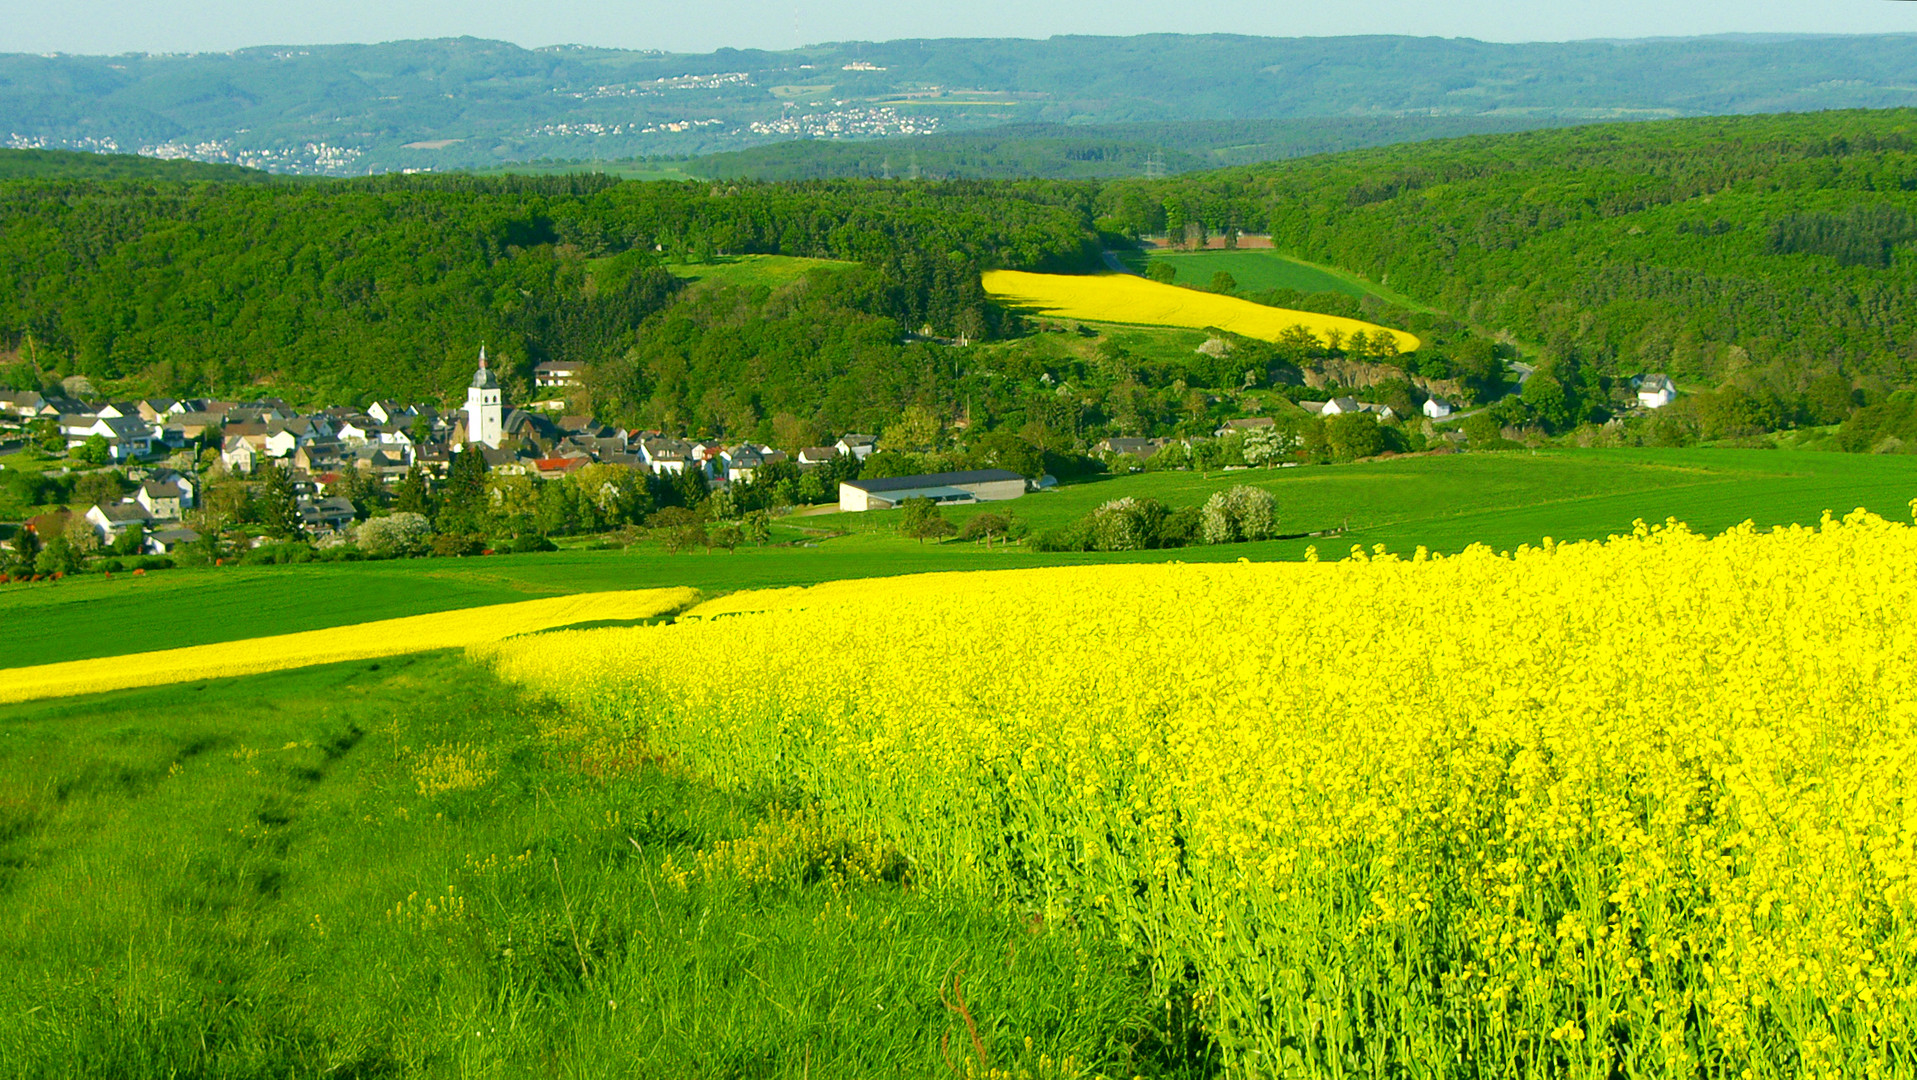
(362,641)
(1125,298)
(1636,808)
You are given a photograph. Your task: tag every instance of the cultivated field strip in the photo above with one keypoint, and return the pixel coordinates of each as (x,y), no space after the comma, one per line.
(361,641)
(1638,807)
(1124,298)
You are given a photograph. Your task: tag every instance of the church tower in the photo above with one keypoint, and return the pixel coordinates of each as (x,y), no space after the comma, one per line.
(485,412)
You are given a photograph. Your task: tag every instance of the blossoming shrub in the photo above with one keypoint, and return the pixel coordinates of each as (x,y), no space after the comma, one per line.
(1641,807)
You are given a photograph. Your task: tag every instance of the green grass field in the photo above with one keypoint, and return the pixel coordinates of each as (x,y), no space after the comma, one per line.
(751,270)
(411,869)
(1448,502)
(1444,503)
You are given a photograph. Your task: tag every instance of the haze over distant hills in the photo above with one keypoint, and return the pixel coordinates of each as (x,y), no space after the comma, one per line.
(467,103)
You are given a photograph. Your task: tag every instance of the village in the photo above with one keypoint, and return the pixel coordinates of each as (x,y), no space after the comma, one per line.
(171,449)
(332,449)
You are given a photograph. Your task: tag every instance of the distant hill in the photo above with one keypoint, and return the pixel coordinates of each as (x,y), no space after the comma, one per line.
(468,104)
(1087,152)
(74,165)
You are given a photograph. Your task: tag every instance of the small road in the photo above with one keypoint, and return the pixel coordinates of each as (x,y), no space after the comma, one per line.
(1111,260)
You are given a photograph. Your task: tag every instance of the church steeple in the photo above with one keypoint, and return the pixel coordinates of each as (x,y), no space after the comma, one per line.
(485,407)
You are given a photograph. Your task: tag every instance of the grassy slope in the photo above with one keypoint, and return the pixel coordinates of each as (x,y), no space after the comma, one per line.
(1444,503)
(751,270)
(260,877)
(1448,502)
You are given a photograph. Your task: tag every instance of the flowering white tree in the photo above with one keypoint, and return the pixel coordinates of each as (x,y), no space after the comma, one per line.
(1268,446)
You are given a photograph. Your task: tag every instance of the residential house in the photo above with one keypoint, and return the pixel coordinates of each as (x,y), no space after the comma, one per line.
(557,374)
(111,522)
(1343,406)
(742,462)
(1656,391)
(974,485)
(1137,448)
(59,406)
(157,410)
(553,468)
(163,500)
(167,541)
(120,410)
(1437,408)
(1244,423)
(666,455)
(24,404)
(817,455)
(284,438)
(178,429)
(319,455)
(390,412)
(327,514)
(501,460)
(859,446)
(126,437)
(239,455)
(358,430)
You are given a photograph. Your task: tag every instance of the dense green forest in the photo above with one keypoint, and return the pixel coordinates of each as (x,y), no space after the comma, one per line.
(1772,248)
(73,165)
(464,103)
(387,286)
(1766,262)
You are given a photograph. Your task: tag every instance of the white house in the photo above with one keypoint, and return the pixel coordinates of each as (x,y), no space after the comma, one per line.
(1437,408)
(282,441)
(126,436)
(817,455)
(744,461)
(666,455)
(112,521)
(239,455)
(1340,406)
(358,431)
(974,485)
(859,446)
(485,408)
(389,412)
(557,374)
(1656,391)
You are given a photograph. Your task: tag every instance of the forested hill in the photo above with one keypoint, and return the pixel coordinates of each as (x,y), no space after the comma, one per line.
(465,103)
(341,289)
(1774,246)
(72,165)
(1765,250)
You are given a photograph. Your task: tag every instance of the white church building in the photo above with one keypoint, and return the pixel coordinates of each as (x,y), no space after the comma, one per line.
(485,407)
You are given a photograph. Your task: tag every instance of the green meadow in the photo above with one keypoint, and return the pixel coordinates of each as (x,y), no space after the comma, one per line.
(1444,503)
(409,869)
(749,271)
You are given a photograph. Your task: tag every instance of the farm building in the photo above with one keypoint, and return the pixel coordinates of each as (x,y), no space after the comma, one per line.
(975,485)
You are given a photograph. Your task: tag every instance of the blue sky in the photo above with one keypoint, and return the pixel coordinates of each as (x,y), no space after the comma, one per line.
(112,26)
